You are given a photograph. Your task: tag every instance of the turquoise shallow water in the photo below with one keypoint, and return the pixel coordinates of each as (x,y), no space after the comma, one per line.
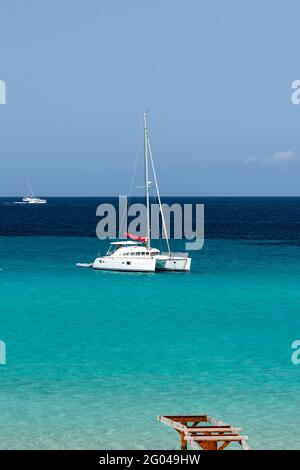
(94,357)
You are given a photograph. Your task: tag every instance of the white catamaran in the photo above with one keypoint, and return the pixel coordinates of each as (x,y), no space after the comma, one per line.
(138,255)
(31,198)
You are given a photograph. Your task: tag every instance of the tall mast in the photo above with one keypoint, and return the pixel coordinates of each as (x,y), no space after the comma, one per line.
(147,182)
(30,188)
(158,197)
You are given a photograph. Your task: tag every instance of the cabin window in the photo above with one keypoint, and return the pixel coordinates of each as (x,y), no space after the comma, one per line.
(128,262)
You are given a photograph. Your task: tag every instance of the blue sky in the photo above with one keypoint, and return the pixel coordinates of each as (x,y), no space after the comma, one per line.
(216,77)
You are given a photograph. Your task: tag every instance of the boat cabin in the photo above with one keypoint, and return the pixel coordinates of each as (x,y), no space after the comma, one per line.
(130,248)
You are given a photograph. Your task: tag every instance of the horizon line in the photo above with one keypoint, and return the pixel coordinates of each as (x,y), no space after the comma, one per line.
(163,196)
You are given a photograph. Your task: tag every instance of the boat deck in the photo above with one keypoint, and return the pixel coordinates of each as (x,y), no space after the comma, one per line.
(204,432)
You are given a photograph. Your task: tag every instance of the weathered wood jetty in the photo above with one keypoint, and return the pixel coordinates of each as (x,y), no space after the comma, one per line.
(205,432)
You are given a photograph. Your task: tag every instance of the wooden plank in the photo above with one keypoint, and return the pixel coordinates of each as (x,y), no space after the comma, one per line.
(194,445)
(186,419)
(220,429)
(225,444)
(245,445)
(208,445)
(216,438)
(183,442)
(215,421)
(175,425)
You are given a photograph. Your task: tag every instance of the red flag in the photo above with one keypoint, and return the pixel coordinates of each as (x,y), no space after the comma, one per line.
(137,238)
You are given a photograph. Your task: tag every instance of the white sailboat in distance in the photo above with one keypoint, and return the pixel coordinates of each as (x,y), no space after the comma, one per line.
(31,198)
(137,254)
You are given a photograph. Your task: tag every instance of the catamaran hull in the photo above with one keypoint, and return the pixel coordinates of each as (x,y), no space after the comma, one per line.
(160,263)
(108,263)
(36,202)
(173,264)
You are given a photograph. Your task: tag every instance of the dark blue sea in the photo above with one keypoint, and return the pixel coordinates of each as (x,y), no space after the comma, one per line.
(245,218)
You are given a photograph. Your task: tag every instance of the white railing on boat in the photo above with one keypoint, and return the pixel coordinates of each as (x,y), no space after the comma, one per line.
(175,254)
